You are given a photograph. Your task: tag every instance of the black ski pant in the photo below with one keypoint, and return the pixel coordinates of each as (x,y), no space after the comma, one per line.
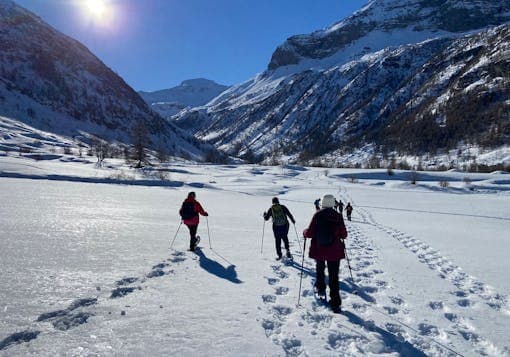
(281,233)
(193,236)
(334,286)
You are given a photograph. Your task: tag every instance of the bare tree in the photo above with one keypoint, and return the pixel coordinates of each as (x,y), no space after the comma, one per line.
(101,149)
(140,142)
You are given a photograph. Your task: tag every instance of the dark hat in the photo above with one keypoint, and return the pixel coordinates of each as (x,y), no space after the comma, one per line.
(192,195)
(275,200)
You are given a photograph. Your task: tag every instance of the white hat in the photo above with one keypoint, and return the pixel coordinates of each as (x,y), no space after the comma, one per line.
(328,201)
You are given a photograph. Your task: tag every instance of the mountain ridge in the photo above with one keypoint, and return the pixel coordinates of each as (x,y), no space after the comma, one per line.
(439,17)
(53,82)
(190,93)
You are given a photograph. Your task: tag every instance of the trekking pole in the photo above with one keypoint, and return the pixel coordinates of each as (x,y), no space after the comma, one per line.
(297,237)
(208,232)
(348,261)
(302,269)
(262,244)
(171,245)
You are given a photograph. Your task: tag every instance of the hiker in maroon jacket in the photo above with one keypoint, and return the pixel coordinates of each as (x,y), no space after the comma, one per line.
(189,213)
(327,230)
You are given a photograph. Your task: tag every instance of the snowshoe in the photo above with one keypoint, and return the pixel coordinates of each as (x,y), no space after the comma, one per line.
(321,295)
(197,240)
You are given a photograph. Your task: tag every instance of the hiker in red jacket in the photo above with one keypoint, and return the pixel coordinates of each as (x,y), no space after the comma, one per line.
(189,213)
(327,230)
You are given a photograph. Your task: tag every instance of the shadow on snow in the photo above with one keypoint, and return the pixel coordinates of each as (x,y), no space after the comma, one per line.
(394,342)
(215,268)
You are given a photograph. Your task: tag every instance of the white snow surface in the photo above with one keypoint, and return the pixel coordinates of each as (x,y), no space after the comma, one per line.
(88,268)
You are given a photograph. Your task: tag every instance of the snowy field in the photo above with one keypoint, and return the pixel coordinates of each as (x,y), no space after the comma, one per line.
(87,267)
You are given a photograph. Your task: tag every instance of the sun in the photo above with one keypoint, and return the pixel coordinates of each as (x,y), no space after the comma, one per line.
(96,8)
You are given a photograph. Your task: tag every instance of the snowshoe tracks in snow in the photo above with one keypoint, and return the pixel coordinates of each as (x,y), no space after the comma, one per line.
(80,310)
(446,269)
(278,313)
(468,293)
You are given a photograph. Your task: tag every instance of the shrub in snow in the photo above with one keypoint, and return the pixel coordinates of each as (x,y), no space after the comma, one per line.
(413,177)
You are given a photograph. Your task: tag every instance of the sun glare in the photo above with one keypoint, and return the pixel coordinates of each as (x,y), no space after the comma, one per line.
(96,8)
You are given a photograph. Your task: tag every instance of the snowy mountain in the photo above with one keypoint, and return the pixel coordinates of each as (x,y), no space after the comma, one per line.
(384,23)
(190,93)
(53,83)
(393,77)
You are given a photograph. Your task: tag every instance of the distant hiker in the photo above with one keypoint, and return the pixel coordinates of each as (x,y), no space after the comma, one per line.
(327,230)
(317,204)
(189,213)
(348,209)
(339,206)
(279,213)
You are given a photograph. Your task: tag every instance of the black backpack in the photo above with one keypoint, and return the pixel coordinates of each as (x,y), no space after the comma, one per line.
(325,233)
(188,210)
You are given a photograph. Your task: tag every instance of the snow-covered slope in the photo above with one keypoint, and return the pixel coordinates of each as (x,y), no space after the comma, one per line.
(53,83)
(190,93)
(384,23)
(414,67)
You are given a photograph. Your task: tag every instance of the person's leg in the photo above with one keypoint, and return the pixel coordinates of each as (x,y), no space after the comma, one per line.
(193,239)
(278,240)
(285,238)
(320,283)
(334,288)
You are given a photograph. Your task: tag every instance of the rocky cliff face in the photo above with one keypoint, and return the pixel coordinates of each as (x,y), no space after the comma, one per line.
(406,91)
(421,19)
(54,83)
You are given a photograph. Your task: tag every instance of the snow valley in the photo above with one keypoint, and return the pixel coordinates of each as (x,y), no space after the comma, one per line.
(94,256)
(87,269)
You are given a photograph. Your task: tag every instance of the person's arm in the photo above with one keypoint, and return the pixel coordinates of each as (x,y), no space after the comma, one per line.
(310,231)
(287,212)
(268,214)
(200,209)
(341,230)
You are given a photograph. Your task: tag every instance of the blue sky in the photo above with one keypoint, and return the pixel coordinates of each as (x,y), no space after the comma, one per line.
(156,44)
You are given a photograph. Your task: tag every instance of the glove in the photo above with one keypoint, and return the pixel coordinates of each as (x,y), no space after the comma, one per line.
(206,214)
(294,222)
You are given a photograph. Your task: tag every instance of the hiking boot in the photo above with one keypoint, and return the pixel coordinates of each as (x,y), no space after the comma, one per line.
(289,255)
(336,309)
(279,257)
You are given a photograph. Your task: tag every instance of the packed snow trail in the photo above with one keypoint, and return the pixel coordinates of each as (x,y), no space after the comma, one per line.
(353,331)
